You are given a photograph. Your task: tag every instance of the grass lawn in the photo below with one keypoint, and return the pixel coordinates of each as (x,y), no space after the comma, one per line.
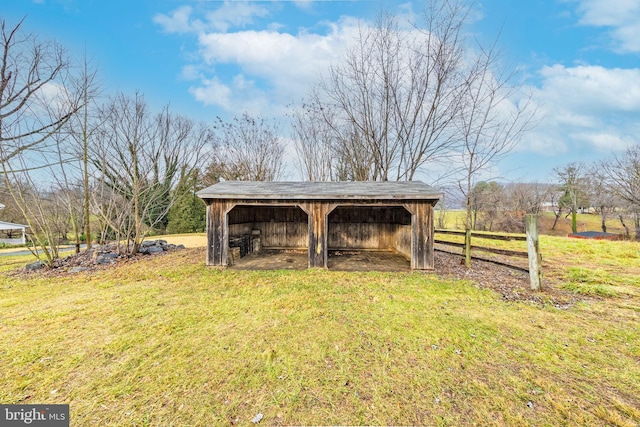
(168,341)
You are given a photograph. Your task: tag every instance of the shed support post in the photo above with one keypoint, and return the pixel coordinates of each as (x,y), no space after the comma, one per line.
(421,235)
(217,233)
(318,213)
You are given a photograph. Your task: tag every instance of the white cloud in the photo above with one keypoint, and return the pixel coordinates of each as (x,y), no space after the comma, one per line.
(304,4)
(234,14)
(593,88)
(177,22)
(230,14)
(213,92)
(605,141)
(242,69)
(621,16)
(284,65)
(586,108)
(240,95)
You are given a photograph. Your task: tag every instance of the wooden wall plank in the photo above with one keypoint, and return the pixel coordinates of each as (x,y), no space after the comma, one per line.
(218,232)
(421,235)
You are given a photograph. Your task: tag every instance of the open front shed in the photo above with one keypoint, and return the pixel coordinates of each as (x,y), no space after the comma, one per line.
(322,216)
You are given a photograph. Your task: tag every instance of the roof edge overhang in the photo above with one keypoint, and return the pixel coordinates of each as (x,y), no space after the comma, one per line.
(383,191)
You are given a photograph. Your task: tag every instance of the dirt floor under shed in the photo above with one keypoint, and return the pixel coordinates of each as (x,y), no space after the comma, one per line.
(352,260)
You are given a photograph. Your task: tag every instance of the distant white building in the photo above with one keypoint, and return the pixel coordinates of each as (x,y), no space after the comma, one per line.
(8,229)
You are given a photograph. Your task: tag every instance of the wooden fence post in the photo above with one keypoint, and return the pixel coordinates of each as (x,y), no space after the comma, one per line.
(467,248)
(533,249)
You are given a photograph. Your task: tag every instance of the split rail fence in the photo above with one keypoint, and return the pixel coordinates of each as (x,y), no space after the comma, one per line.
(498,255)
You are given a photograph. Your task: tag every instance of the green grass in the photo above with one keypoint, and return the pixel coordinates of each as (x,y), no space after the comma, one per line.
(169,341)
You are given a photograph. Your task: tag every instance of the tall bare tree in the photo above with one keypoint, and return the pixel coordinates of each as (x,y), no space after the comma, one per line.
(141,160)
(35,103)
(82,128)
(33,73)
(246,149)
(391,101)
(313,143)
(489,124)
(601,197)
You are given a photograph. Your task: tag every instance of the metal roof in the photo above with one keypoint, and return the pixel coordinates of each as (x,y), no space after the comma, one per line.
(344,190)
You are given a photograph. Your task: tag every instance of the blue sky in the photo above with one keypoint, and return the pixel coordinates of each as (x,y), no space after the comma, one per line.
(579,58)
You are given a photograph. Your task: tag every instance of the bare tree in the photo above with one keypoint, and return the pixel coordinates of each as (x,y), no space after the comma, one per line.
(557,204)
(391,101)
(35,103)
(572,183)
(622,174)
(489,124)
(82,129)
(519,200)
(43,213)
(33,75)
(487,204)
(246,149)
(601,197)
(528,198)
(313,143)
(141,159)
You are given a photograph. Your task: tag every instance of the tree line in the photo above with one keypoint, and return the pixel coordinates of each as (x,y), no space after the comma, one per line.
(408,100)
(609,188)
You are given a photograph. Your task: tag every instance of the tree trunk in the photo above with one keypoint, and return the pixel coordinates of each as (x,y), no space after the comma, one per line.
(555,221)
(626,229)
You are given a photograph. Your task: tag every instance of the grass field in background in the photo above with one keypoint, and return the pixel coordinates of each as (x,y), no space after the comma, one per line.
(454,219)
(168,341)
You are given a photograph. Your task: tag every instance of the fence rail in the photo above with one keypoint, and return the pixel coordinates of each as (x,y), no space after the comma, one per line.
(485,235)
(532,251)
(506,252)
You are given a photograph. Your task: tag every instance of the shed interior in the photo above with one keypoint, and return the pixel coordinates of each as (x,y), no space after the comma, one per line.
(281,227)
(362,228)
(379,228)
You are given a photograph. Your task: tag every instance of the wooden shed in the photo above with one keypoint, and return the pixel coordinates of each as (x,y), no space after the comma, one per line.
(322,216)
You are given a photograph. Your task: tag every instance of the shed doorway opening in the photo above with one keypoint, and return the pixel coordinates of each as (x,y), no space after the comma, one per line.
(268,237)
(373,237)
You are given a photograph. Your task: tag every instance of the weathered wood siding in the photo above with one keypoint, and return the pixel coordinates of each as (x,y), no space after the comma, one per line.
(218,232)
(403,240)
(366,227)
(283,227)
(283,235)
(361,236)
(318,212)
(384,214)
(319,225)
(246,214)
(422,235)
